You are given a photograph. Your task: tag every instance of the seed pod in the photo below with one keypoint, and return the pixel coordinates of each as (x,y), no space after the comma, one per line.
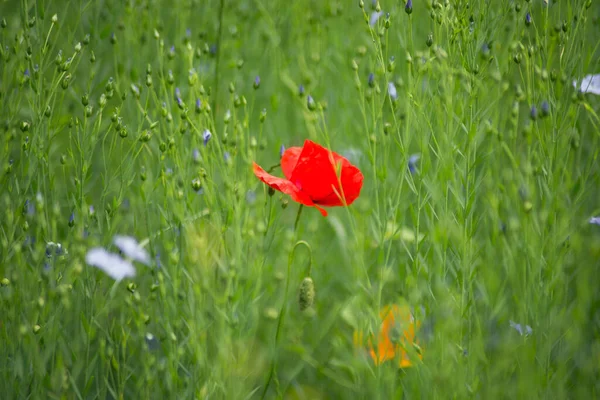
(306,295)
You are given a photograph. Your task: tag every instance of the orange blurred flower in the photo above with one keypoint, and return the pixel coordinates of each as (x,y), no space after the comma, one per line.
(396,339)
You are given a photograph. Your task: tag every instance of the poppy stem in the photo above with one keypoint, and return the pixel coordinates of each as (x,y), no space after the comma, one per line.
(298,217)
(283,311)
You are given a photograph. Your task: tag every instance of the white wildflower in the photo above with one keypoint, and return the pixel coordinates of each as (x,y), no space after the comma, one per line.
(589,84)
(112,264)
(131,248)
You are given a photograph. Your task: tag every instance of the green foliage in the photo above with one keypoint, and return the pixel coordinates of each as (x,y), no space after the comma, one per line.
(105,111)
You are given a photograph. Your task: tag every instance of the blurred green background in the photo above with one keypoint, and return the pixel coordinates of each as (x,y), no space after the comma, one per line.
(103,109)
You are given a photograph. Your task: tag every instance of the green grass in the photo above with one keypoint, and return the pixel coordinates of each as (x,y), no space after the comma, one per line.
(492,226)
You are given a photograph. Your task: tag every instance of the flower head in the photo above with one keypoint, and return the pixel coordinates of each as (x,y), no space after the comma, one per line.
(589,84)
(206,135)
(392,91)
(396,337)
(375,17)
(113,265)
(131,248)
(315,176)
(412,163)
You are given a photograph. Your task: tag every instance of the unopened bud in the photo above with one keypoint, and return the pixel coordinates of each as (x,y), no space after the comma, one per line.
(306,295)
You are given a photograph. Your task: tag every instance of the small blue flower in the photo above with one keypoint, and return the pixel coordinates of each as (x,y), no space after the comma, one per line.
(206,135)
(301,90)
(375,17)
(408,7)
(534,113)
(412,163)
(528,19)
(527,331)
(392,91)
(371,80)
(177,93)
(26,73)
(196,155)
(29,208)
(188,32)
(256,82)
(281,150)
(595,220)
(545,108)
(226,156)
(250,197)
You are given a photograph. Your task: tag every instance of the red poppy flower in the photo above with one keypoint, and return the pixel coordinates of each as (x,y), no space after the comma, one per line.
(315,176)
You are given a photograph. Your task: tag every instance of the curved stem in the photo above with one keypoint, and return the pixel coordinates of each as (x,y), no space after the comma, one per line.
(284,305)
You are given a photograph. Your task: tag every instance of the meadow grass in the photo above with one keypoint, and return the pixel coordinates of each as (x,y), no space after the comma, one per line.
(485,235)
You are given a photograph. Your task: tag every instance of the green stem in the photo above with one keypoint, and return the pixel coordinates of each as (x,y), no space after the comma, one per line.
(216,98)
(298,219)
(284,305)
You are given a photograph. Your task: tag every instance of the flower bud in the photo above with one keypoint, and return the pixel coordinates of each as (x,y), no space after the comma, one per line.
(306,295)
(145,136)
(310,103)
(371,80)
(429,40)
(65,82)
(545,108)
(534,113)
(196,184)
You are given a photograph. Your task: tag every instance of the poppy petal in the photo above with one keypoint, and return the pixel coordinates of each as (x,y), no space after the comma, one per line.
(289,159)
(285,186)
(315,174)
(352,180)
